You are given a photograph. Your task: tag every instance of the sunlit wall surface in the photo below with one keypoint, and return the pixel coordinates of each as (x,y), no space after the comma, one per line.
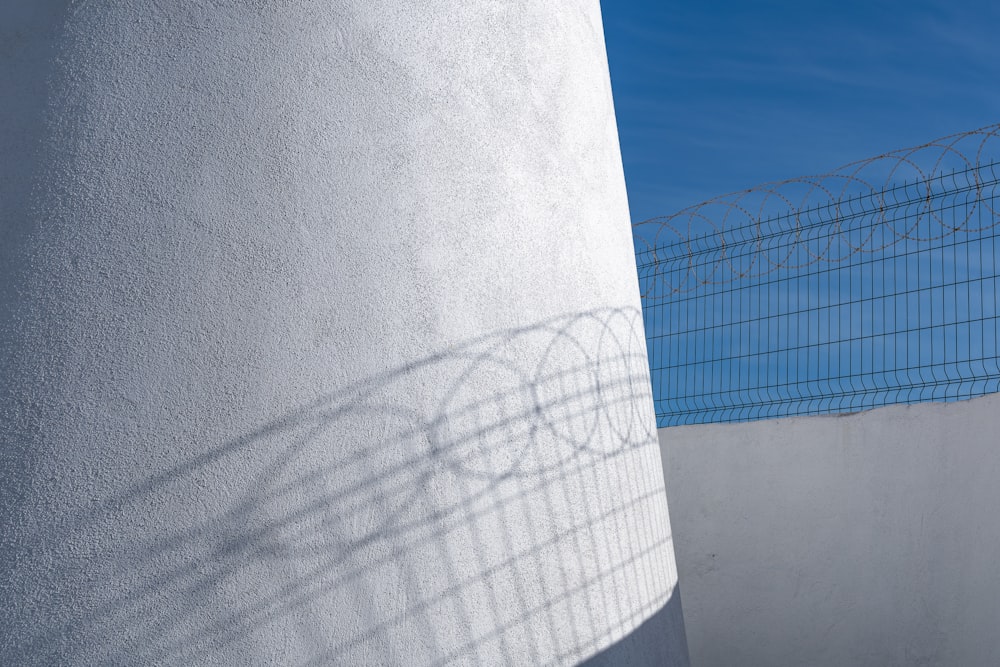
(320,340)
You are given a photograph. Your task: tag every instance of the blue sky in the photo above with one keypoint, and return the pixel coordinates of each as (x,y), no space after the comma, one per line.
(716,96)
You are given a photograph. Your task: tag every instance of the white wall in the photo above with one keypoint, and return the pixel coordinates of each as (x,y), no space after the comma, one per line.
(863,539)
(320,340)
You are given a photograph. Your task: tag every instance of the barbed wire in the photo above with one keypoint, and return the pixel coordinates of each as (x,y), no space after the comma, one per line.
(874,284)
(773,226)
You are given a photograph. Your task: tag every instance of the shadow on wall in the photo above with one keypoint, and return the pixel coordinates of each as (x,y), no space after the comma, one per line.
(520,519)
(633,648)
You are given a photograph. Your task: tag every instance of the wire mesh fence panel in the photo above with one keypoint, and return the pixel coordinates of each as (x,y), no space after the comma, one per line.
(872,285)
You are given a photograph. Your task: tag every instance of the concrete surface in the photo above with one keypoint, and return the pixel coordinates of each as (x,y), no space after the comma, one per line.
(865,539)
(320,340)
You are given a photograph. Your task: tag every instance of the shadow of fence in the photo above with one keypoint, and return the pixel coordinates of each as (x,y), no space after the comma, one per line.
(519,517)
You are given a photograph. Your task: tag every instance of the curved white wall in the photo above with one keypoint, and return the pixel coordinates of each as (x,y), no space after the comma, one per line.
(321,341)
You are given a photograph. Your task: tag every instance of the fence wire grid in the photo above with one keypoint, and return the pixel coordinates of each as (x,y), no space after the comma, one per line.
(871,285)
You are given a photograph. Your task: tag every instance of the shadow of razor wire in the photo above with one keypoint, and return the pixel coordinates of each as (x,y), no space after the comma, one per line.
(522,518)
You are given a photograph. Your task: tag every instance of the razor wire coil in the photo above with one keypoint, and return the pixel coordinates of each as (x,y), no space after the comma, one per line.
(871,285)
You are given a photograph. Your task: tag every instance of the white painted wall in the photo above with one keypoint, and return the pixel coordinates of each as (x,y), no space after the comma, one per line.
(320,340)
(864,539)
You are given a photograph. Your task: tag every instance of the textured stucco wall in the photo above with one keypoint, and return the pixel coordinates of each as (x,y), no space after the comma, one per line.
(320,340)
(869,539)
